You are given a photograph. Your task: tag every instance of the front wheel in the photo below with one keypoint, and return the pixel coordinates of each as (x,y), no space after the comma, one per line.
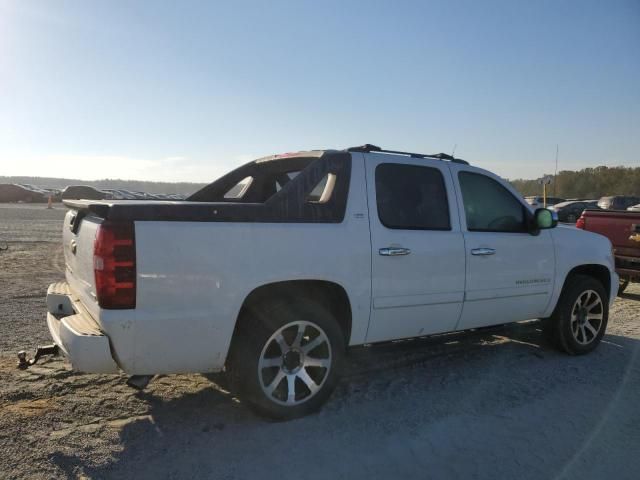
(580,319)
(286,361)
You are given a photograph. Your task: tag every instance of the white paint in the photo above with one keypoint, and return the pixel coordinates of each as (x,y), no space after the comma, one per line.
(192,277)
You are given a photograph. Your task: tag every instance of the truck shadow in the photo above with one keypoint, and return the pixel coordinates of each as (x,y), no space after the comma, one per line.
(631,296)
(503,394)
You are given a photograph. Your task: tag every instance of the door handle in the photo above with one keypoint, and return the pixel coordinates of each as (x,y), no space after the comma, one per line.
(394,251)
(483,251)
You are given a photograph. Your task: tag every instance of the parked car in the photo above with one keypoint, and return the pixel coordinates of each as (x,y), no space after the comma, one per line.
(622,228)
(128,195)
(176,196)
(76,192)
(634,208)
(317,252)
(32,188)
(617,202)
(113,194)
(569,212)
(15,193)
(538,202)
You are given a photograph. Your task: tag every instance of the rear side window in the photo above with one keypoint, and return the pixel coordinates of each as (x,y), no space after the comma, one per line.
(411,197)
(488,206)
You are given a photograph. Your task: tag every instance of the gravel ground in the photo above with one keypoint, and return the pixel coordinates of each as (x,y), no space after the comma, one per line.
(492,404)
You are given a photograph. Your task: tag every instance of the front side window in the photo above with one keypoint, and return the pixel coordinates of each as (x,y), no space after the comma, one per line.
(411,197)
(490,207)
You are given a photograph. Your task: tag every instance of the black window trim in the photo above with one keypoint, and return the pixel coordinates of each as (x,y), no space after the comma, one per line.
(526,212)
(413,228)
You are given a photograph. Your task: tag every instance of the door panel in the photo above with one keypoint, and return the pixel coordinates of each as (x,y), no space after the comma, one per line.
(509,272)
(515,283)
(421,291)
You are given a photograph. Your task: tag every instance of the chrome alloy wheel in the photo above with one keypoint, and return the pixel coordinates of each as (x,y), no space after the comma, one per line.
(294,363)
(586,317)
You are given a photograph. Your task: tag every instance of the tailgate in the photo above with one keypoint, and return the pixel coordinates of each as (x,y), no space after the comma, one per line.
(78,236)
(621,228)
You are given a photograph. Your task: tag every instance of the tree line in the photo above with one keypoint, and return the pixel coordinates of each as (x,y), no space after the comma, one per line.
(588,183)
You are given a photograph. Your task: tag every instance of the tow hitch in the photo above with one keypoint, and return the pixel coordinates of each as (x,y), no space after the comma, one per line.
(41,350)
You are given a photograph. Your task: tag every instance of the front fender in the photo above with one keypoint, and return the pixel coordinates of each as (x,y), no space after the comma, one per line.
(577,249)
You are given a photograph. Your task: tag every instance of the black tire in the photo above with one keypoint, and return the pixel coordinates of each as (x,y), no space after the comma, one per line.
(622,286)
(566,334)
(254,337)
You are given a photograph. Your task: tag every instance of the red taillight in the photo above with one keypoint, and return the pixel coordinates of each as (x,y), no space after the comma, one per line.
(114,265)
(581,223)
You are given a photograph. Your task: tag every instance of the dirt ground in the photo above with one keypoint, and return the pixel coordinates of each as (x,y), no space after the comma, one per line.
(492,404)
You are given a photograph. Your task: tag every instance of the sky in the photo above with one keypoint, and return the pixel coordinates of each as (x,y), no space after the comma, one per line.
(185,91)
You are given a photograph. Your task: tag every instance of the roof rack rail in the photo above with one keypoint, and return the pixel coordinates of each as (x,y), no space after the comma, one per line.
(367,148)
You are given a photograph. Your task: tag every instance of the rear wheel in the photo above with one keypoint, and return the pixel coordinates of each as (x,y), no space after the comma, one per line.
(622,285)
(580,319)
(287,357)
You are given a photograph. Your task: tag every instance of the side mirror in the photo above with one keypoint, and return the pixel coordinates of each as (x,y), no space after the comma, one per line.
(544,218)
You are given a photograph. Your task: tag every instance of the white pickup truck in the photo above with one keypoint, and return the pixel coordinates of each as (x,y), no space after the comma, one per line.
(272,271)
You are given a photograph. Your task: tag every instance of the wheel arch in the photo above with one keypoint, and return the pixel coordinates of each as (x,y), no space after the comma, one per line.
(597,271)
(330,294)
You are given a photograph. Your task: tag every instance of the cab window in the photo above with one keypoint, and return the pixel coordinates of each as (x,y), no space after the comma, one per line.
(411,197)
(490,207)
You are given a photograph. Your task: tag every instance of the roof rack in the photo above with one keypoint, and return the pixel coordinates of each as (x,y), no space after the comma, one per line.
(368,148)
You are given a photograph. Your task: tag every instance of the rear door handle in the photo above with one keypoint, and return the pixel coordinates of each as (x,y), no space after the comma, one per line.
(393,251)
(483,251)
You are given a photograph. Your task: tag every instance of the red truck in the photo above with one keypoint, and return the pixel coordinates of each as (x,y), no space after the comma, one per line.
(622,228)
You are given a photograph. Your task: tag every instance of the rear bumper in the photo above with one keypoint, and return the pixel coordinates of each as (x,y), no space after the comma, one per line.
(628,266)
(76,333)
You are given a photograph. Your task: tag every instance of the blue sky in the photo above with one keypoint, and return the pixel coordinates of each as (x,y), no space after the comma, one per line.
(186,90)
